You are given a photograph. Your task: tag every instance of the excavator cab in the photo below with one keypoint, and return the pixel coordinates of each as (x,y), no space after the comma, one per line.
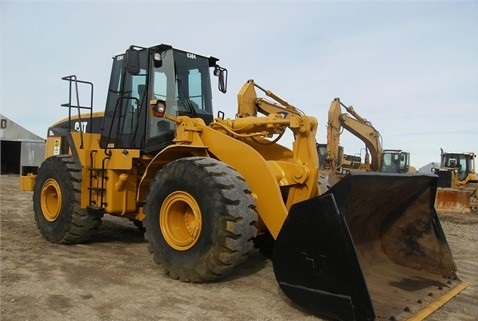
(394,161)
(147,81)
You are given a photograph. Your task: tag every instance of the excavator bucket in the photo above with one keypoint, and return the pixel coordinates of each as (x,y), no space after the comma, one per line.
(451,200)
(371,248)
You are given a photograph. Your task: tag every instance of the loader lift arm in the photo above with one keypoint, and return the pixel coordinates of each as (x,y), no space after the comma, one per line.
(249,104)
(296,169)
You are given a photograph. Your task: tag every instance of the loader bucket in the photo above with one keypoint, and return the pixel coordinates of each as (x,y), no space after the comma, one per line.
(450,200)
(371,248)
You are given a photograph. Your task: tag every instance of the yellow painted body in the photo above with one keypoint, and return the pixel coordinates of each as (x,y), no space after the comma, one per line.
(119,189)
(121,183)
(279,177)
(27,182)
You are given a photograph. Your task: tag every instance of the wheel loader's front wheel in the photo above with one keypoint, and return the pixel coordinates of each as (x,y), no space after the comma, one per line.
(199,219)
(180,220)
(56,202)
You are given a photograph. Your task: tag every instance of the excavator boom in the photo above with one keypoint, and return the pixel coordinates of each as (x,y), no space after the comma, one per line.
(358,126)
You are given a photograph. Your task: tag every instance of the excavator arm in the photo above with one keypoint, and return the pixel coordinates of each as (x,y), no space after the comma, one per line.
(358,126)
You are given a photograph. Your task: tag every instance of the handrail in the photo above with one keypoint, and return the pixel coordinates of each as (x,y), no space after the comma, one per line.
(72,79)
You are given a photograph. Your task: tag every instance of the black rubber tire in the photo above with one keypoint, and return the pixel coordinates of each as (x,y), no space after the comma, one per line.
(227,214)
(72,224)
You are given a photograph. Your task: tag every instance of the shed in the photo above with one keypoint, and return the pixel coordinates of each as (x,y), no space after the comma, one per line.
(428,168)
(21,151)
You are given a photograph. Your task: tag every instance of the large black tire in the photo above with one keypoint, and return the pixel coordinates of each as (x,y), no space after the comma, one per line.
(199,219)
(56,203)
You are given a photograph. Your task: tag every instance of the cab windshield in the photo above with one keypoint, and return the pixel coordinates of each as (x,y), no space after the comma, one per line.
(182,80)
(462,162)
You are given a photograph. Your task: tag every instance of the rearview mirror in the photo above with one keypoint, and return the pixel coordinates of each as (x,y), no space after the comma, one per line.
(221,73)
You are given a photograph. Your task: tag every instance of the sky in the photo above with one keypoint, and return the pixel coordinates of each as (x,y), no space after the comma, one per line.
(409,67)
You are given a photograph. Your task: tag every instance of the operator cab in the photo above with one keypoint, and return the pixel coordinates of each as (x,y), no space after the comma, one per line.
(463,163)
(148,84)
(395,161)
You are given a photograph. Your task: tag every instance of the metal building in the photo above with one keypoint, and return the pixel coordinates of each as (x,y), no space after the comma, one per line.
(21,151)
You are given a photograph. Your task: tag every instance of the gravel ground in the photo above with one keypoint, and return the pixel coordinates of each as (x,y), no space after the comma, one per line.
(114,277)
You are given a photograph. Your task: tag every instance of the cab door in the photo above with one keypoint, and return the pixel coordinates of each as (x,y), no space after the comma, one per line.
(125,113)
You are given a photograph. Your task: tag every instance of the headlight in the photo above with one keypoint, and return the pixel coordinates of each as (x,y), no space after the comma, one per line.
(158,107)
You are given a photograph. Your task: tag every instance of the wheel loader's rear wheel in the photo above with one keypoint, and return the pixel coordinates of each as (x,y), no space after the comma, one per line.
(51,200)
(199,219)
(56,202)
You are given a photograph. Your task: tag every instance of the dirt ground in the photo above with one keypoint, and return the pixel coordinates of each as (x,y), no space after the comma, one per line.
(114,277)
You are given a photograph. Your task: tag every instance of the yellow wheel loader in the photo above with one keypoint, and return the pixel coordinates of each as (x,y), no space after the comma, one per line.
(457,183)
(206,188)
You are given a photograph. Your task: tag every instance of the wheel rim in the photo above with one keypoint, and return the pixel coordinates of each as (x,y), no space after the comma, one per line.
(180,220)
(51,200)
